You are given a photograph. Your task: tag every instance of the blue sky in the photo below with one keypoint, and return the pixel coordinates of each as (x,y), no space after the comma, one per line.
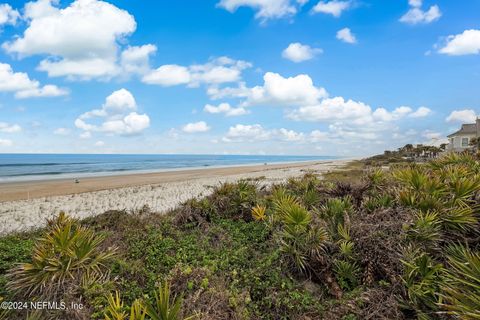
(345,78)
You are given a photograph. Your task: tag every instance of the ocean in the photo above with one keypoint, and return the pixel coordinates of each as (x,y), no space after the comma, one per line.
(25,167)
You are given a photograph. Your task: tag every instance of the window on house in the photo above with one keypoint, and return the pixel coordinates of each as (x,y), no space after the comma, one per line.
(464,142)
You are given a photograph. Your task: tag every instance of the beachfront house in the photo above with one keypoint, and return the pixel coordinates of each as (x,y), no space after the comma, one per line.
(461,140)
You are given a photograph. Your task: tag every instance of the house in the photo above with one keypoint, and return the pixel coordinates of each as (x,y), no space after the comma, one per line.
(460,141)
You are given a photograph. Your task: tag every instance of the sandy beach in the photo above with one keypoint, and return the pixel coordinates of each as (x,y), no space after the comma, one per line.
(26,205)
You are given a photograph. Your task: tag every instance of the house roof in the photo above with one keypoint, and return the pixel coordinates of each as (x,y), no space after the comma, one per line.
(468,128)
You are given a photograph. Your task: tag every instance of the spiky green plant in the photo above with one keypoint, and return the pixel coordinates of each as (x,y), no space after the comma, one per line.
(376,177)
(426,228)
(463,189)
(460,219)
(296,216)
(457,159)
(302,246)
(346,273)
(461,288)
(378,201)
(334,212)
(422,280)
(66,253)
(310,198)
(116,310)
(164,306)
(283,201)
(300,240)
(259,213)
(345,244)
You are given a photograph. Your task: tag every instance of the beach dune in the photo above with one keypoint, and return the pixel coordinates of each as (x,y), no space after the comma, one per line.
(26,205)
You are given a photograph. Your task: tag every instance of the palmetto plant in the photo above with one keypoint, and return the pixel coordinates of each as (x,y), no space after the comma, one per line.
(300,240)
(346,273)
(463,188)
(283,201)
(296,217)
(301,246)
(66,253)
(461,289)
(311,198)
(464,159)
(459,219)
(345,244)
(335,211)
(426,228)
(376,177)
(422,279)
(164,306)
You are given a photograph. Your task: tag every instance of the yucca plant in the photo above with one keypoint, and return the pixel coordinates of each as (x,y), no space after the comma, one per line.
(164,306)
(116,310)
(66,253)
(259,213)
(461,289)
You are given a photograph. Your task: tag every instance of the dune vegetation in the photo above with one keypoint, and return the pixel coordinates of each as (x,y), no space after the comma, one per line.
(367,243)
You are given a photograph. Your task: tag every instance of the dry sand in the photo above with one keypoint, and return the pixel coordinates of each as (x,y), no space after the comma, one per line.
(26,205)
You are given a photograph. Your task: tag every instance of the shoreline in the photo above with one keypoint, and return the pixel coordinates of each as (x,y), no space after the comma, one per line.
(32,189)
(26,205)
(102,174)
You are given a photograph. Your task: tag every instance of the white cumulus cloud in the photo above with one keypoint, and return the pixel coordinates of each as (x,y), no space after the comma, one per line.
(265,9)
(346,35)
(8,15)
(117,116)
(136,59)
(226,109)
(217,71)
(24,87)
(421,112)
(465,43)
(81,40)
(256,132)
(276,91)
(298,52)
(196,127)
(334,7)
(416,15)
(462,116)
(241,132)
(9,128)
